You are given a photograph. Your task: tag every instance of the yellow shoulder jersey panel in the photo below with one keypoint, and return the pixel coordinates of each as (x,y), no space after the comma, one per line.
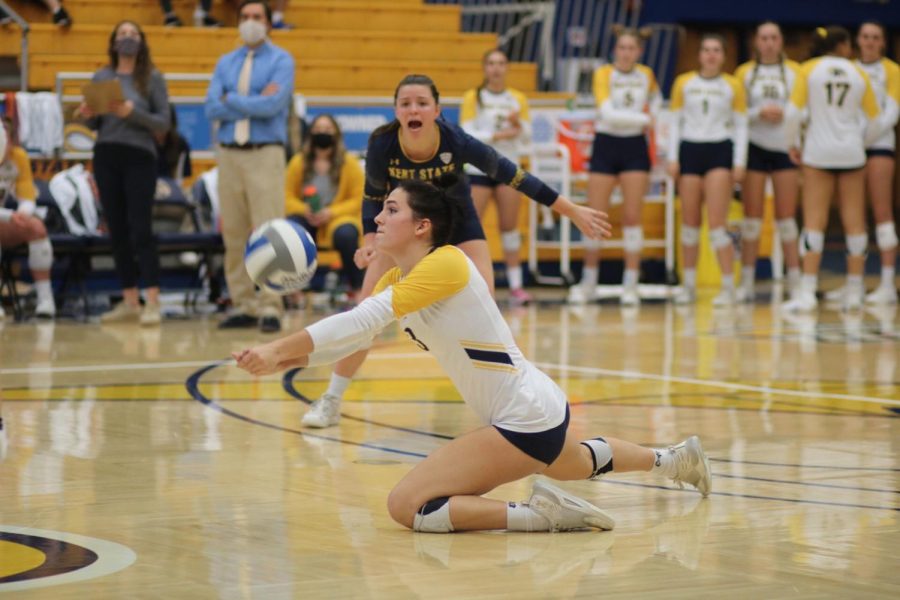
(741,72)
(892,72)
(869,101)
(678,89)
(793,65)
(800,93)
(388,279)
(601,83)
(469,109)
(523,104)
(439,275)
(652,87)
(739,102)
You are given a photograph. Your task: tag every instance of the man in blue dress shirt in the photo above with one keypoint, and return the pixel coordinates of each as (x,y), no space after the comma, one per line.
(249,96)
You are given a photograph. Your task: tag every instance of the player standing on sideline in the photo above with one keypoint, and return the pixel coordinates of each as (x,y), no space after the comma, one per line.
(498,116)
(834,92)
(417,144)
(768,80)
(707,155)
(443,303)
(628,101)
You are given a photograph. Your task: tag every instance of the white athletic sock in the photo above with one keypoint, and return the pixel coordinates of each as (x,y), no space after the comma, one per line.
(690,278)
(514,277)
(854,281)
(589,277)
(521,517)
(664,463)
(887,276)
(748,276)
(338,385)
(728,282)
(809,282)
(630,278)
(43,288)
(793,276)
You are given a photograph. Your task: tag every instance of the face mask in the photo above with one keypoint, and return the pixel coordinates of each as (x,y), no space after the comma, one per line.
(252,32)
(128,46)
(322,140)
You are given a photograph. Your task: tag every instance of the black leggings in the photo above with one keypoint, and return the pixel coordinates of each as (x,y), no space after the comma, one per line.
(126,178)
(345,240)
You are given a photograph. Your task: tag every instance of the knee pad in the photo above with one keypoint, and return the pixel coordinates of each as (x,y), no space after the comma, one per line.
(787,230)
(633,239)
(40,255)
(812,241)
(751,227)
(434,517)
(690,236)
(719,238)
(601,452)
(857,244)
(511,240)
(886,235)
(592,244)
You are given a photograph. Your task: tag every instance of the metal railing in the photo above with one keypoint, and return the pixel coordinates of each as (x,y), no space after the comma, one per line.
(24,28)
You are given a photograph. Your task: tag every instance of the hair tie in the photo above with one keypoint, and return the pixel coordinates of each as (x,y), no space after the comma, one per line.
(822,32)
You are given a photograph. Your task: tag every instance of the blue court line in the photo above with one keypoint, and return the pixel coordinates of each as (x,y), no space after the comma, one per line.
(799,466)
(192,385)
(808,483)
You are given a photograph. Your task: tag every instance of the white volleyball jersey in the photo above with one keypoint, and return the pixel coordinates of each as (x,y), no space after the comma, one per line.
(837,98)
(708,110)
(767,85)
(483,113)
(625,101)
(884,76)
(444,306)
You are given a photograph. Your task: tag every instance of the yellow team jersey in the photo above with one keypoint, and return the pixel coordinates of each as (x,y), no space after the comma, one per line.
(483,113)
(710,109)
(444,306)
(767,85)
(836,95)
(16,179)
(625,101)
(884,76)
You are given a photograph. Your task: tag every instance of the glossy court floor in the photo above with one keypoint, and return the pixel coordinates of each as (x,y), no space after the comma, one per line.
(137,465)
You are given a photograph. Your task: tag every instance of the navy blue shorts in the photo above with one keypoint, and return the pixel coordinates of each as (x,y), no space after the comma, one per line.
(699,158)
(544,446)
(767,161)
(870,152)
(484,181)
(612,154)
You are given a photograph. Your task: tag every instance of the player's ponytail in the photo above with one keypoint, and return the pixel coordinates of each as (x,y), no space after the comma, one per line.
(827,39)
(434,201)
(425,80)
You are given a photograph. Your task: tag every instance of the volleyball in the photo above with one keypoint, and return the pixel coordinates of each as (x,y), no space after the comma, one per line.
(281,256)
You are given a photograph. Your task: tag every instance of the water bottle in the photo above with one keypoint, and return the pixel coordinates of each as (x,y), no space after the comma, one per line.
(312,199)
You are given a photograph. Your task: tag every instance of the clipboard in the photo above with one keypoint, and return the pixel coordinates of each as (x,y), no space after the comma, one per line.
(99,94)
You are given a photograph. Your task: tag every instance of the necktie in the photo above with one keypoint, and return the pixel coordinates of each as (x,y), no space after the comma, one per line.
(242,127)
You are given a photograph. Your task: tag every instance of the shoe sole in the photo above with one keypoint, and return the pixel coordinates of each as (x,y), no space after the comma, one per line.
(694,444)
(598,519)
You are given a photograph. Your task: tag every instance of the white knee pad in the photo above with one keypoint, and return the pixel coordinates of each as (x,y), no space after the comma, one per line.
(787,230)
(690,236)
(592,244)
(601,453)
(40,255)
(434,517)
(857,244)
(633,239)
(751,227)
(812,241)
(511,240)
(886,235)
(719,238)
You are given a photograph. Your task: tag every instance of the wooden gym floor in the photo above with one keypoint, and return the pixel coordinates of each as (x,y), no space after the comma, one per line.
(138,466)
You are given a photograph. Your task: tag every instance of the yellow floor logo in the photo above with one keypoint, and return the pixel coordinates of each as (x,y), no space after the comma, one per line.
(32,558)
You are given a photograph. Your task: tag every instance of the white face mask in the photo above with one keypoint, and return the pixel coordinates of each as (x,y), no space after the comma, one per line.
(252,32)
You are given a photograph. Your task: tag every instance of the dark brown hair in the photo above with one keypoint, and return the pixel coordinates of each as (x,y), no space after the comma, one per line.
(413,79)
(143,65)
(337,157)
(827,39)
(431,200)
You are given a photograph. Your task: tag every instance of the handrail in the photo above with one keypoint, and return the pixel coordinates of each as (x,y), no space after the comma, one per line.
(25,28)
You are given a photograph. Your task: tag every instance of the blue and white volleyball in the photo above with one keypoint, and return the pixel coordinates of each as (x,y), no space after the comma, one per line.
(281,256)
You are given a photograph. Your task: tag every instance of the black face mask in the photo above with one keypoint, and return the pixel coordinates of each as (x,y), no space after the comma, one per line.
(322,140)
(128,46)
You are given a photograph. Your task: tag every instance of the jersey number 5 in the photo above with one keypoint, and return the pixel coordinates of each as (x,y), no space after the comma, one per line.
(837,92)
